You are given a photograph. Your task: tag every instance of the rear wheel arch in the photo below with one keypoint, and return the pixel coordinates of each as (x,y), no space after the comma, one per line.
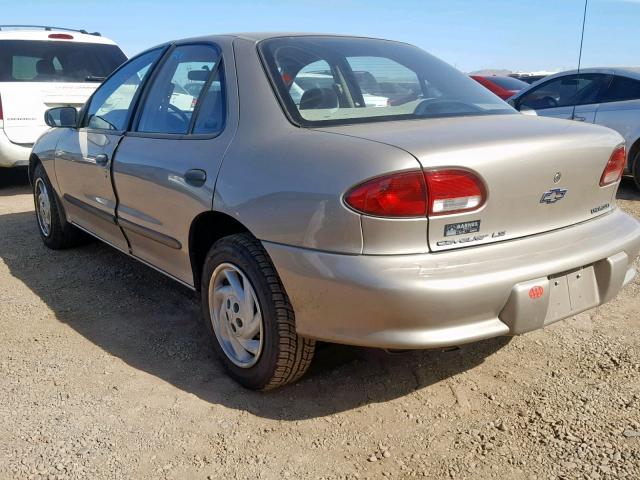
(633,153)
(206,229)
(634,161)
(34,160)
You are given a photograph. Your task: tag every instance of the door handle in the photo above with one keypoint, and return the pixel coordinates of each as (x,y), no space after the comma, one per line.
(101,159)
(579,119)
(195,177)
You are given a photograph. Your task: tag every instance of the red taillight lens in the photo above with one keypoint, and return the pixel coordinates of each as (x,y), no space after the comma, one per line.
(61,36)
(454,191)
(416,194)
(615,167)
(397,195)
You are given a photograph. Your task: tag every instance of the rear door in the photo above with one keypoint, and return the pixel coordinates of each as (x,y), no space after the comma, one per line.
(165,169)
(36,75)
(620,108)
(84,156)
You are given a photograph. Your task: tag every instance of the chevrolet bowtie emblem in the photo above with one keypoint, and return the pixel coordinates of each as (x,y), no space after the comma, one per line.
(554,195)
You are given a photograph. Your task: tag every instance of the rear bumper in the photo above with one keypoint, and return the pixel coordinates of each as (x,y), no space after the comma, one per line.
(455,297)
(12,155)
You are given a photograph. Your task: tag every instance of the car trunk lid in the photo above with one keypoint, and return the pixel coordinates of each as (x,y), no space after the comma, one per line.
(540,174)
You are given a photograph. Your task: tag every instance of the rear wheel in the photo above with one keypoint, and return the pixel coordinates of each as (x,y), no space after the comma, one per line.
(249,316)
(636,170)
(55,231)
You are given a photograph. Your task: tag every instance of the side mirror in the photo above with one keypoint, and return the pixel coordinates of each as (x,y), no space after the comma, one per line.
(61,117)
(528,111)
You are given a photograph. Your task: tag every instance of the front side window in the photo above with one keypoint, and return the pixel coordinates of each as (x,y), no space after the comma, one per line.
(57,61)
(187,83)
(337,80)
(565,91)
(109,107)
(621,89)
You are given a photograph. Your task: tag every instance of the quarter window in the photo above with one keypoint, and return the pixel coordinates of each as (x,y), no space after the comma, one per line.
(110,105)
(184,81)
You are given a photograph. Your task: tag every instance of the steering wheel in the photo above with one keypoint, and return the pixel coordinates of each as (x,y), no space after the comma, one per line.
(180,113)
(431,106)
(551,102)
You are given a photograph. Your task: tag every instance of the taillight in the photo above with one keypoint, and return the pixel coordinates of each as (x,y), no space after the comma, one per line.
(61,36)
(454,191)
(416,194)
(615,167)
(401,194)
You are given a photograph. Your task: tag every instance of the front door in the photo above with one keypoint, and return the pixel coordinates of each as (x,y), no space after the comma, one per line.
(166,167)
(570,97)
(84,156)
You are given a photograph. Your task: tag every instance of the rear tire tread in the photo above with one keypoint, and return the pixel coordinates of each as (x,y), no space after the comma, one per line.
(294,352)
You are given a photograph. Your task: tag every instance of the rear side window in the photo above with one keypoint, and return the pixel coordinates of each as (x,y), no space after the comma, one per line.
(187,86)
(56,61)
(621,89)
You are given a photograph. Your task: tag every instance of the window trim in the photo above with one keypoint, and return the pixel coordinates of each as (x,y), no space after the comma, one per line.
(135,120)
(82,117)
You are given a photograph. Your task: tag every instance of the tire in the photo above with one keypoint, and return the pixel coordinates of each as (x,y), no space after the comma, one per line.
(635,170)
(262,351)
(55,231)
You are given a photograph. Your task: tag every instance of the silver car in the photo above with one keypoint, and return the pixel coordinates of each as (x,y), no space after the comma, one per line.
(403,226)
(606,96)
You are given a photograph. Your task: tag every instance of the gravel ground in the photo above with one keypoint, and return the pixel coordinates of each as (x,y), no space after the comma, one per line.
(105,373)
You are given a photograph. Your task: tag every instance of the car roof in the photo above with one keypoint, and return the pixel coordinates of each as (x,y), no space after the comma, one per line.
(625,72)
(259,36)
(38,33)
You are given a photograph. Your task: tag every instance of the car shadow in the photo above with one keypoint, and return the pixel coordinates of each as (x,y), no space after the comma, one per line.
(628,190)
(154,325)
(13,181)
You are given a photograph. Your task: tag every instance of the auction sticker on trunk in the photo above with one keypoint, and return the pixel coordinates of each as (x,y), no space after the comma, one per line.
(462,228)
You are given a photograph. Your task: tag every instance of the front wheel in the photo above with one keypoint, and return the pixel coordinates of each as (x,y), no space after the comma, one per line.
(55,231)
(249,317)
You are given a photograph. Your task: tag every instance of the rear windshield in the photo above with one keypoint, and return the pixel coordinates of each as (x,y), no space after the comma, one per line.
(336,80)
(509,83)
(57,61)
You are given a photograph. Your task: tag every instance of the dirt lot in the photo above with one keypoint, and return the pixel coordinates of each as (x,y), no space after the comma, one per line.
(105,373)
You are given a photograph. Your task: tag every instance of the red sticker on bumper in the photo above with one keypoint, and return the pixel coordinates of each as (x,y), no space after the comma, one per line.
(536,292)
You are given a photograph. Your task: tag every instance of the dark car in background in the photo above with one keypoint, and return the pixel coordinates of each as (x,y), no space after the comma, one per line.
(529,78)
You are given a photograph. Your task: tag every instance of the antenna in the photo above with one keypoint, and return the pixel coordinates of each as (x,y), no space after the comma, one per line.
(584,21)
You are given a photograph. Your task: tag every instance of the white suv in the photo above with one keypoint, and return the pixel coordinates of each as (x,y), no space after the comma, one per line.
(41,68)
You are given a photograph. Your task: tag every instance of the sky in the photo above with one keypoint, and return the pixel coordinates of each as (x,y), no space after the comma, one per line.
(517,35)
